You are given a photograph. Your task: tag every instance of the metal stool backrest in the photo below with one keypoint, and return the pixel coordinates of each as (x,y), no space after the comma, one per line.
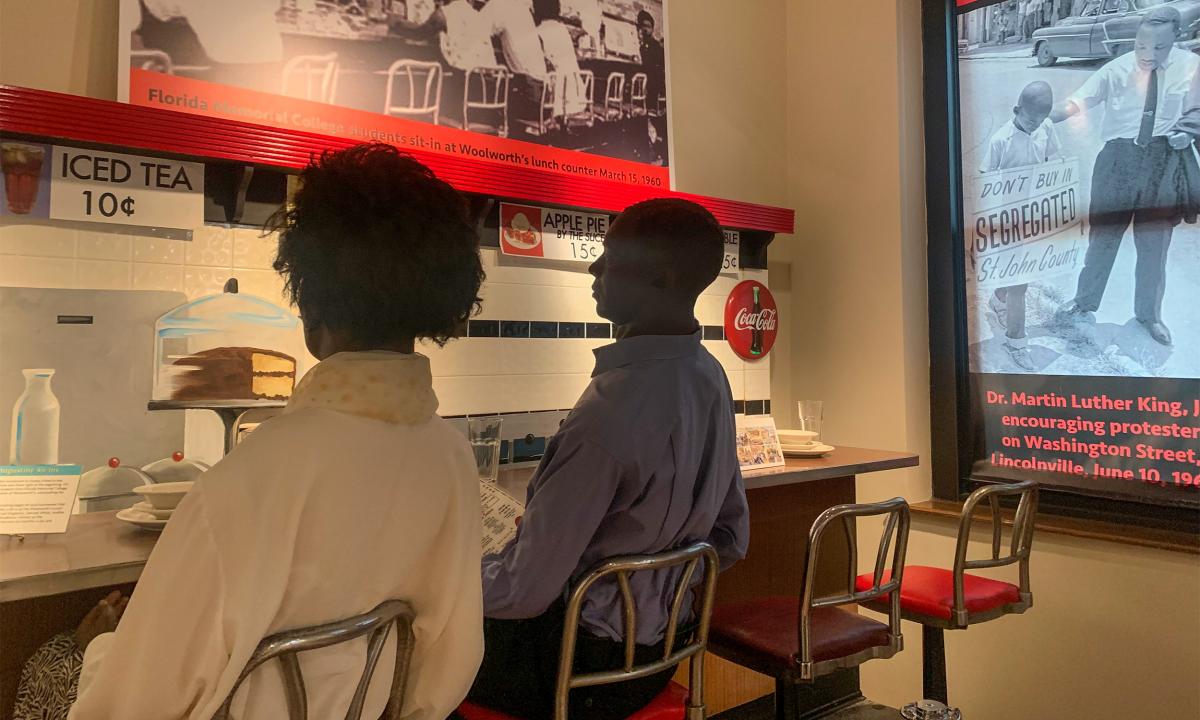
(317,74)
(493,94)
(1019,545)
(896,525)
(585,85)
(637,92)
(153,60)
(286,645)
(424,88)
(692,648)
(614,94)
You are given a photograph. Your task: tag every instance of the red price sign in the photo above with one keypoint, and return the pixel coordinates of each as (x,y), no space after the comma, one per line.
(751,320)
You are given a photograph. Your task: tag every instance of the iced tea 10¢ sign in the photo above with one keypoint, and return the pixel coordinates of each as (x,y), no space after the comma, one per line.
(751,320)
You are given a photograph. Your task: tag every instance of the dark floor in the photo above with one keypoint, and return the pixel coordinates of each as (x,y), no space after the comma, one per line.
(764,709)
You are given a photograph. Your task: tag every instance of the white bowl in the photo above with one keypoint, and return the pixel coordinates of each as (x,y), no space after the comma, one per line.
(797,437)
(146,507)
(164,496)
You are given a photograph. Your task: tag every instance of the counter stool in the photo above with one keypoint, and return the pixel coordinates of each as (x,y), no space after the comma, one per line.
(288,644)
(941,599)
(798,639)
(673,703)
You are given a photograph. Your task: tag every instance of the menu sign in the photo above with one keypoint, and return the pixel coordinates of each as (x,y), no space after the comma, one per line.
(758,443)
(733,242)
(551,234)
(96,186)
(37,498)
(572,236)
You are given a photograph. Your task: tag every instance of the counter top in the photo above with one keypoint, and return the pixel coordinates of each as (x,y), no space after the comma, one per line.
(98,550)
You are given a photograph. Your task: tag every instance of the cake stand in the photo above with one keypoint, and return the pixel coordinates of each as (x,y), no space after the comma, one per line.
(231,412)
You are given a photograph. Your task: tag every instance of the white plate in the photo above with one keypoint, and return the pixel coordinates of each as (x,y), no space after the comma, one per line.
(145,521)
(813,452)
(146,507)
(164,496)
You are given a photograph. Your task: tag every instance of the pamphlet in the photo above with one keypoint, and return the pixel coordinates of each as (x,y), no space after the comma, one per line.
(500,512)
(758,442)
(37,498)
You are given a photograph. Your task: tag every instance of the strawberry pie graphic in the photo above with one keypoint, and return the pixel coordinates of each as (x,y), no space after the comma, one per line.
(521,234)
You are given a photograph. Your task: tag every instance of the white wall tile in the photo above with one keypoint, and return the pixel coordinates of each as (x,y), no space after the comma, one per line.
(757,384)
(502,301)
(710,310)
(251,249)
(102,275)
(37,241)
(198,282)
(722,286)
(266,284)
(759,275)
(155,276)
(509,393)
(103,246)
(510,356)
(159,250)
(20,271)
(504,269)
(211,246)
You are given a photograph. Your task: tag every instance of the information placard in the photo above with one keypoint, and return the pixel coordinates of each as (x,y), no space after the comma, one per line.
(37,498)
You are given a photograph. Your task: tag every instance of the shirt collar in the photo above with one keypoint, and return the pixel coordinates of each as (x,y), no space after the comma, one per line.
(644,347)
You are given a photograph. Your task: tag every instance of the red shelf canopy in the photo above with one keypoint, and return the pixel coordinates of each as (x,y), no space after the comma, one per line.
(83,119)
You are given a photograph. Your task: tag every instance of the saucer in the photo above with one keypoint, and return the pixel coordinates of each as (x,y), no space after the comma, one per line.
(814,451)
(146,507)
(145,521)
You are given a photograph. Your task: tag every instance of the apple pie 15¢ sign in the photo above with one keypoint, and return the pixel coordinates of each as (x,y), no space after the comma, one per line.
(751,320)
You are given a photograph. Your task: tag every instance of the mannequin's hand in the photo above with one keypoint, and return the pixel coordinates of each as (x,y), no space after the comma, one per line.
(101,619)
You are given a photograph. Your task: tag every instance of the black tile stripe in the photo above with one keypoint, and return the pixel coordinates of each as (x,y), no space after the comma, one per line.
(714,332)
(570,330)
(596,331)
(483,328)
(754,407)
(543,330)
(514,328)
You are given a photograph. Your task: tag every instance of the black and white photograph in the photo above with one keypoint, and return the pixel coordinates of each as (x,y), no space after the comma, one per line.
(587,75)
(1081,186)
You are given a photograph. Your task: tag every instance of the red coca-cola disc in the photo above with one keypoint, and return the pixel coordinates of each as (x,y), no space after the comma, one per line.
(751,327)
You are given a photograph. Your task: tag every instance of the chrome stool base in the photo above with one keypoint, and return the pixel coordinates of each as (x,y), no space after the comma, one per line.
(929,710)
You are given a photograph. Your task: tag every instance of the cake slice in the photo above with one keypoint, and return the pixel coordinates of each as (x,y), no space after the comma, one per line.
(235,373)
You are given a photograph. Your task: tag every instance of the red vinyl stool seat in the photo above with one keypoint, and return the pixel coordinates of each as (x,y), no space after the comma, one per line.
(928,592)
(670,704)
(763,632)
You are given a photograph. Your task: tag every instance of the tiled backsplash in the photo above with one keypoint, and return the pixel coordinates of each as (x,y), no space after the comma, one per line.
(528,350)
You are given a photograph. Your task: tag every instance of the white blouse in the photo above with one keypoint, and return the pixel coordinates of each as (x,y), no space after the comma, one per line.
(357,494)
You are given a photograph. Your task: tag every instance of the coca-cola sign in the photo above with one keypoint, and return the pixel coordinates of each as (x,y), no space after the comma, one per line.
(751,320)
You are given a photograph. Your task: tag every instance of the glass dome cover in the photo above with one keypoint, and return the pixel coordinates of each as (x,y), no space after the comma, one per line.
(226,348)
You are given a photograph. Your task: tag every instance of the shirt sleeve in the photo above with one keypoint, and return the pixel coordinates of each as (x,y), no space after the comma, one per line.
(991,158)
(170,629)
(731,532)
(1094,90)
(575,489)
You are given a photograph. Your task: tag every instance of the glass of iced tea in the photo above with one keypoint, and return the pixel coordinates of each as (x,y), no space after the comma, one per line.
(22,166)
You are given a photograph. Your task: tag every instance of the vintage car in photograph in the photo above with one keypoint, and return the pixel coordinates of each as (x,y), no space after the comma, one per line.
(1105,29)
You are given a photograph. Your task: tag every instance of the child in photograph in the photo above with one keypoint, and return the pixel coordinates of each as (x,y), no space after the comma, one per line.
(1029,139)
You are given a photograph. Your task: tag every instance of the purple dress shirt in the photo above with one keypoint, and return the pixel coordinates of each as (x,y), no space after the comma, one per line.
(646,462)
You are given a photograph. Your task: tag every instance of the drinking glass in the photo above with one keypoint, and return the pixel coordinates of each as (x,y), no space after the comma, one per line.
(484,434)
(812,412)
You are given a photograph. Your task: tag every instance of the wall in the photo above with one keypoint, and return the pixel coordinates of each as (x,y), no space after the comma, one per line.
(1115,630)
(472,376)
